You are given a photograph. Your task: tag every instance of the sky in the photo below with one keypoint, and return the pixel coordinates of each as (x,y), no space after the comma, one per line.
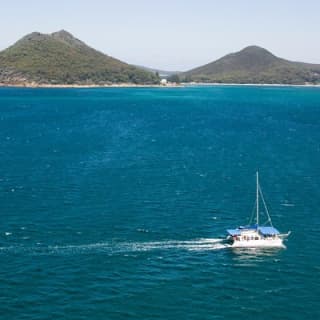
(172,34)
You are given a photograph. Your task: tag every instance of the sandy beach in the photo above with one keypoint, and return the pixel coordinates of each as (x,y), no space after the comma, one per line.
(132,85)
(121,85)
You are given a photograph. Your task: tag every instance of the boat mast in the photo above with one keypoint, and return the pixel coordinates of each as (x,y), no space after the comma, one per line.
(257,195)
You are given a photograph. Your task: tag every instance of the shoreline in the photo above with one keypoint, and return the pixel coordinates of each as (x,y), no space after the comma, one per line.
(131,85)
(57,86)
(204,84)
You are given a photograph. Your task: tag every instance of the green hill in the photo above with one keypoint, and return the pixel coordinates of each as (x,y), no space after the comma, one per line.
(254,65)
(60,58)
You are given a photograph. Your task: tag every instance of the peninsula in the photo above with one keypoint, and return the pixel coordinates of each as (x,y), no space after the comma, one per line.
(254,65)
(61,60)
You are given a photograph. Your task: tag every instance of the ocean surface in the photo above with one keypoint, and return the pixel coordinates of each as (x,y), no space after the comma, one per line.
(113,202)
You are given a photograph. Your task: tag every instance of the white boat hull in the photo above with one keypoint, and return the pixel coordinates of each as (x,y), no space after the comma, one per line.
(262,243)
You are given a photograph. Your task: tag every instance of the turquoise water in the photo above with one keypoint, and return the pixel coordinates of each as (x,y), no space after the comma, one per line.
(113,201)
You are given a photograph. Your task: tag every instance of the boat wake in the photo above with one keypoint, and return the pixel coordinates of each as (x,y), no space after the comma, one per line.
(191,245)
(121,247)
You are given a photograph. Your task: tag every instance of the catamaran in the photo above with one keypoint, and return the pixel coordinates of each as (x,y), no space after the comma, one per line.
(256,235)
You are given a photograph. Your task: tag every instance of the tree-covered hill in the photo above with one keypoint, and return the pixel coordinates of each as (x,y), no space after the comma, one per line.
(60,58)
(254,65)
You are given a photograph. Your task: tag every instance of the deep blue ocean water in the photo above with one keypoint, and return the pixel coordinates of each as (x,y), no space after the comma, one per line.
(112,202)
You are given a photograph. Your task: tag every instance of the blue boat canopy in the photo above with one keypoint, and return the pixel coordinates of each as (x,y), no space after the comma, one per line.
(234,232)
(265,231)
(268,231)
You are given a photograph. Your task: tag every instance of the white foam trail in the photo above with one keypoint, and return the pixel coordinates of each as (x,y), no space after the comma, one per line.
(124,247)
(197,245)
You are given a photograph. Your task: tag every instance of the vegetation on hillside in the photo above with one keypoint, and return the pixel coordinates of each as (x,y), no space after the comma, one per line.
(254,65)
(60,58)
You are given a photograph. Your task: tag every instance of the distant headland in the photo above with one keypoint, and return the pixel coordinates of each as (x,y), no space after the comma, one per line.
(61,60)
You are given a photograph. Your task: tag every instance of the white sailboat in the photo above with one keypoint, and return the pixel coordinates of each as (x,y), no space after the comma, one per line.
(255,235)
